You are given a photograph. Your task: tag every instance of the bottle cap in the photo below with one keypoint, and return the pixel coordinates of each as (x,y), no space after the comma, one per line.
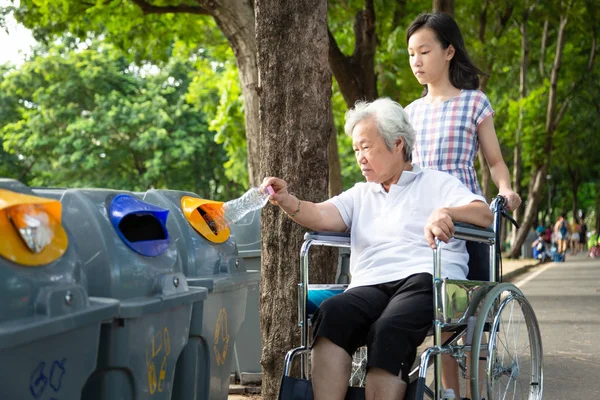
(270,190)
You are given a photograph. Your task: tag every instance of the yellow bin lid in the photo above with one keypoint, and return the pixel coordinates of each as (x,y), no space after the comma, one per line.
(31,229)
(206,217)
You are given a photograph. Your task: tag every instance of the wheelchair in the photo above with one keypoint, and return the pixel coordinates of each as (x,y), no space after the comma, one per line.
(490,320)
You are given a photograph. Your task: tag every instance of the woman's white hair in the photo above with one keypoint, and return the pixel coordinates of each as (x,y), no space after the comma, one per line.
(391,121)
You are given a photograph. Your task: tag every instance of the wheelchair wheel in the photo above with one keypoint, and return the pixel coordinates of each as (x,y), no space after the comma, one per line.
(359,367)
(513,354)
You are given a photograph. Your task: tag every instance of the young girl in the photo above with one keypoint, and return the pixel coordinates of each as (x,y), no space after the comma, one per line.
(451,120)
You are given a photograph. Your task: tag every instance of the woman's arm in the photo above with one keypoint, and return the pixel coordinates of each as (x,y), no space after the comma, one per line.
(498,169)
(441,221)
(316,216)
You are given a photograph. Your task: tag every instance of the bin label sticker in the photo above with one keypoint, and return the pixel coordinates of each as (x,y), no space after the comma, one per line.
(221,338)
(158,351)
(39,381)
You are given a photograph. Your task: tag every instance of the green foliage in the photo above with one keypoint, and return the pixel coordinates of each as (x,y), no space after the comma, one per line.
(90,117)
(214,85)
(216,90)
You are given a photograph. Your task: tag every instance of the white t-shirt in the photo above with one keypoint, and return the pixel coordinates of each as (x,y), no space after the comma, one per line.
(387,237)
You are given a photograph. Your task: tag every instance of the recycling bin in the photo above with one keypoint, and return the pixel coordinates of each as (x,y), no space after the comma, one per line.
(49,326)
(128,254)
(248,347)
(211,261)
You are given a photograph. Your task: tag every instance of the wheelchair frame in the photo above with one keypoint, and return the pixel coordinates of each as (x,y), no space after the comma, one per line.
(469,309)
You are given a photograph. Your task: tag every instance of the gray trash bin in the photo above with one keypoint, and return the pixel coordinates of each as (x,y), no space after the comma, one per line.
(248,347)
(49,327)
(128,255)
(211,261)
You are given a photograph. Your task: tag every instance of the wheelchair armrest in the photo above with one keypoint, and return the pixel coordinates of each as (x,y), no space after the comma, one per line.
(335,239)
(473,232)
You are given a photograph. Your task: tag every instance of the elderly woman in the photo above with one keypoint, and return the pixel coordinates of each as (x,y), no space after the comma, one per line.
(394,217)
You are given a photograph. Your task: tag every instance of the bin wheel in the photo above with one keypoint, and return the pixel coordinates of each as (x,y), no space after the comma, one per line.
(513,355)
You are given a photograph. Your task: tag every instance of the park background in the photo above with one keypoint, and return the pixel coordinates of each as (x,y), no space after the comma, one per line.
(210,96)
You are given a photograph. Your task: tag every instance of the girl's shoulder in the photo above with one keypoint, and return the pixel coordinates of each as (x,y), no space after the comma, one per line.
(413,104)
(475,94)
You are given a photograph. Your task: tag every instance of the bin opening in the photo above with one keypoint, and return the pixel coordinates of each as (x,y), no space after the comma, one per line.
(206,217)
(31,230)
(210,221)
(142,227)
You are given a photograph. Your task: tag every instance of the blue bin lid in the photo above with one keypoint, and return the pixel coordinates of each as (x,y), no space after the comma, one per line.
(123,206)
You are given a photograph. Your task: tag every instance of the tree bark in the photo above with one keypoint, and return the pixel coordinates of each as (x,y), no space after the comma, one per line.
(517,167)
(446,6)
(235,18)
(355,74)
(543,48)
(597,227)
(295,129)
(535,192)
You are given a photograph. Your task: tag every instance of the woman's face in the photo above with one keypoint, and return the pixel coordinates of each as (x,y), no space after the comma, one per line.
(428,60)
(377,163)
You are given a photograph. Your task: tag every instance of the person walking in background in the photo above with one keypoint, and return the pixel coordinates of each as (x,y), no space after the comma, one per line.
(561,234)
(575,236)
(583,235)
(451,120)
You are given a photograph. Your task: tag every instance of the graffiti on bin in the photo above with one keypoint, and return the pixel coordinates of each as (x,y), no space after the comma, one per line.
(221,338)
(158,351)
(39,380)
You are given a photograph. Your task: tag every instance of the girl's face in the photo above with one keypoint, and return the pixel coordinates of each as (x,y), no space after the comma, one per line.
(428,60)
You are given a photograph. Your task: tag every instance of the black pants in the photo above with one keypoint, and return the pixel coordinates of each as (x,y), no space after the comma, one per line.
(392,319)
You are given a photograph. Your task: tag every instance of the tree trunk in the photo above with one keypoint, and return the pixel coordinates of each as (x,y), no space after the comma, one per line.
(517,172)
(295,129)
(446,6)
(543,48)
(235,18)
(355,74)
(552,121)
(597,227)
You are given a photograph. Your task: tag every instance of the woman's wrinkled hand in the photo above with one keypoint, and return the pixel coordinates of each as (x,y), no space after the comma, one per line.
(439,225)
(279,187)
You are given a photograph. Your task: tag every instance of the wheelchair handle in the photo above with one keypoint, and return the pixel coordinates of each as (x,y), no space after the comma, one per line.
(498,207)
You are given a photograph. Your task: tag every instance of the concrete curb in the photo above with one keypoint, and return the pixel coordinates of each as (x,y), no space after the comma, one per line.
(518,271)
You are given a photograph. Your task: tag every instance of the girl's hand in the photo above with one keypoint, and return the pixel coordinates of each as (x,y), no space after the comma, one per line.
(513,201)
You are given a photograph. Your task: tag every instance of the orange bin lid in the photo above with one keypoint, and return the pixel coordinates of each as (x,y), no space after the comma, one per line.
(211,225)
(25,218)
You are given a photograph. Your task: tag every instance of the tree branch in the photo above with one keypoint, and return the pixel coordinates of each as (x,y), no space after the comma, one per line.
(148,8)
(483,21)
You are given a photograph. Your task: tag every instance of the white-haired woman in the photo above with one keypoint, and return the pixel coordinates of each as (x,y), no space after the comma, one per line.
(394,217)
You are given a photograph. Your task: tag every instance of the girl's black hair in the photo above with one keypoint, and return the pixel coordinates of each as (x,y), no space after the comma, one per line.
(463,72)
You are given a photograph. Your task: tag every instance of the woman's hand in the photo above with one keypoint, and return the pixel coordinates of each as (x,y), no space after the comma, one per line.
(279,187)
(439,225)
(513,200)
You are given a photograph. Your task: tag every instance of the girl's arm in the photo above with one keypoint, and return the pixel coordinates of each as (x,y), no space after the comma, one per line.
(498,169)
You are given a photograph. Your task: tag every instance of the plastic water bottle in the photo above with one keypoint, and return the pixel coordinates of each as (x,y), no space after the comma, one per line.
(449,394)
(253,199)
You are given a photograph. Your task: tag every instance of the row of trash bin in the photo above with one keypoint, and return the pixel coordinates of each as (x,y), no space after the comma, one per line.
(117,295)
